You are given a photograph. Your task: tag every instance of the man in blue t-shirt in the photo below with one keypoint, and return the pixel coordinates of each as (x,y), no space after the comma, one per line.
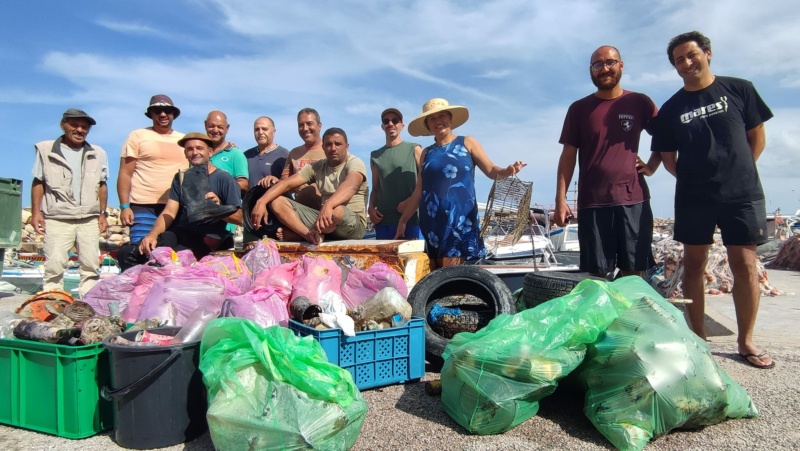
(172,227)
(717,125)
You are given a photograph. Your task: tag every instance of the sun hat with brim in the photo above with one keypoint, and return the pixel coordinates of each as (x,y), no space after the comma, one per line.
(195,135)
(417,127)
(162,100)
(74,113)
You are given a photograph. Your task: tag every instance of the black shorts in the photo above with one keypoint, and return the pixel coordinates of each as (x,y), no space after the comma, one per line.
(741,224)
(616,237)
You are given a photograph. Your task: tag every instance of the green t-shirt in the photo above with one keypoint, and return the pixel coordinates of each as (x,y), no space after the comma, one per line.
(397,172)
(232,161)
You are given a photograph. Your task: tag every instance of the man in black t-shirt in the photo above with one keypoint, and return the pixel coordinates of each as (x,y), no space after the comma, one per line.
(717,125)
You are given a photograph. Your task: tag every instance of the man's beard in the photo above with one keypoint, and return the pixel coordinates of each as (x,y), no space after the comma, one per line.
(605,83)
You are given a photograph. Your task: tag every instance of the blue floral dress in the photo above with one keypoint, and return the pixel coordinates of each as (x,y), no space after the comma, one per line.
(448,210)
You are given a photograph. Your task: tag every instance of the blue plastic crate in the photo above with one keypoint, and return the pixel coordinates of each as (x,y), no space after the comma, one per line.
(375,358)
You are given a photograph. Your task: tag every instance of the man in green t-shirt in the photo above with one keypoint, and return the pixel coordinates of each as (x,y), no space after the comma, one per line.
(225,155)
(394,165)
(342,181)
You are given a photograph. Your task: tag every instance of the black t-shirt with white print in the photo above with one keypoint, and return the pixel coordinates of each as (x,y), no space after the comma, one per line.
(709,128)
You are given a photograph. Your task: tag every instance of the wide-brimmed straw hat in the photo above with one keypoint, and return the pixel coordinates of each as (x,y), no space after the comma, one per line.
(417,127)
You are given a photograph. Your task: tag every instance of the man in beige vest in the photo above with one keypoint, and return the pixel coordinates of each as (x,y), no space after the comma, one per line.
(68,200)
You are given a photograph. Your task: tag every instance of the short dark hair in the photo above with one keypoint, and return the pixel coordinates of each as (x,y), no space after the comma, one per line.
(702,41)
(335,131)
(309,111)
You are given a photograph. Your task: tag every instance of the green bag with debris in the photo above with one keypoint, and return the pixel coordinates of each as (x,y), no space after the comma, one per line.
(649,373)
(270,390)
(493,379)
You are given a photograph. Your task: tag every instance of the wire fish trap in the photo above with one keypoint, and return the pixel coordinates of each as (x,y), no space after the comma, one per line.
(507,214)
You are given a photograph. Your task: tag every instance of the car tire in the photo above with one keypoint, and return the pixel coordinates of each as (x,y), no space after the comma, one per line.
(541,286)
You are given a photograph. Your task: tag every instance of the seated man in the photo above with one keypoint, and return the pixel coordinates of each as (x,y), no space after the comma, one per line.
(342,181)
(198,208)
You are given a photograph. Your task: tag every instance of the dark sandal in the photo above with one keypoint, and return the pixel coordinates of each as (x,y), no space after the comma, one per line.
(746,358)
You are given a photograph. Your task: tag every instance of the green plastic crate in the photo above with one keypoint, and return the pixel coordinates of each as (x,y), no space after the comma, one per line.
(54,388)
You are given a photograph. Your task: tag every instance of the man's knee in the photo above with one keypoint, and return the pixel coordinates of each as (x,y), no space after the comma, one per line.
(695,259)
(280,206)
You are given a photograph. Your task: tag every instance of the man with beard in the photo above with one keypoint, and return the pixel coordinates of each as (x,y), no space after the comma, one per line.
(615,222)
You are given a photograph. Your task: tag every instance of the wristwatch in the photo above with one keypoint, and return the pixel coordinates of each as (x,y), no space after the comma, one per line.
(104,213)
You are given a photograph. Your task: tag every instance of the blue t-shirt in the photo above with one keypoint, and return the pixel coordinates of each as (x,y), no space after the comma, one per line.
(268,163)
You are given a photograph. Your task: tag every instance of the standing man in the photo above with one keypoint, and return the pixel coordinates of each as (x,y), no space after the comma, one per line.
(601,131)
(149,159)
(224,154)
(342,180)
(710,135)
(267,159)
(394,166)
(69,175)
(308,127)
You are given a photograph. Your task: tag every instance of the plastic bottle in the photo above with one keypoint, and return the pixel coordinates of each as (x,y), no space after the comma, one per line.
(192,330)
(383,306)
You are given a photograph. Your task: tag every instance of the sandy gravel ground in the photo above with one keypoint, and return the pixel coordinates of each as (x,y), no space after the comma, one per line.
(405,417)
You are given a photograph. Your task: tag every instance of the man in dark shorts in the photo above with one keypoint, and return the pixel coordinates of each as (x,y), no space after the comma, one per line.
(601,131)
(717,125)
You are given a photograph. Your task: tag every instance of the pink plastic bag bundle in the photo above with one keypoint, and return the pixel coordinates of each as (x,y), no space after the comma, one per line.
(315,277)
(262,305)
(118,288)
(148,275)
(172,299)
(165,256)
(263,255)
(360,285)
(278,277)
(230,267)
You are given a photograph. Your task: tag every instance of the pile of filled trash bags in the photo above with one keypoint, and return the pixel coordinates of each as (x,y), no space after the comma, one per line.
(643,370)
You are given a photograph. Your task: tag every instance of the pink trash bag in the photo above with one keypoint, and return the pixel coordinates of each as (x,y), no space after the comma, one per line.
(315,277)
(173,298)
(166,256)
(360,285)
(118,288)
(263,255)
(262,305)
(278,277)
(147,277)
(230,267)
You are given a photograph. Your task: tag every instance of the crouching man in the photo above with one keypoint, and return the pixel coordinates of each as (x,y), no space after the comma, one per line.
(342,182)
(202,200)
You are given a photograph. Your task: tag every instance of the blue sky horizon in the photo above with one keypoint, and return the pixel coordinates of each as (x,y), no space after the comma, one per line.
(516,64)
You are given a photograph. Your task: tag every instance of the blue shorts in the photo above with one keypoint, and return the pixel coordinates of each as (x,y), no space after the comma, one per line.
(388,232)
(144,216)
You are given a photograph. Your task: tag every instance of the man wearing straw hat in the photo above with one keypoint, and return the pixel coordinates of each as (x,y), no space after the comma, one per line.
(445,191)
(615,222)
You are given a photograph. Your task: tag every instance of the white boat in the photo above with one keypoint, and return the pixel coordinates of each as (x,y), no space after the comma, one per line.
(533,242)
(565,238)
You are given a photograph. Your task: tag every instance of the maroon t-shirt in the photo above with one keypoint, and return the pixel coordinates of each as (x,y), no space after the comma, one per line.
(606,133)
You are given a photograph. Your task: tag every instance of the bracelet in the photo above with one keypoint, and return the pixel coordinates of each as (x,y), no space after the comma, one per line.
(124,206)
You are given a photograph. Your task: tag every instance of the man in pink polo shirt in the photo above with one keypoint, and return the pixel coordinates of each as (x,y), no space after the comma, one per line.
(150,158)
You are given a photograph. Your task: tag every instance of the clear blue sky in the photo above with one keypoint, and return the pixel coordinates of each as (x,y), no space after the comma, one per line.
(516,64)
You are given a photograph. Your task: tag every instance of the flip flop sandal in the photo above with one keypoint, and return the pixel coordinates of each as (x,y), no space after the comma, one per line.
(746,358)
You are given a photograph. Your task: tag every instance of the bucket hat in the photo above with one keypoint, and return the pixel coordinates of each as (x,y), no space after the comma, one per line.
(196,135)
(162,100)
(417,127)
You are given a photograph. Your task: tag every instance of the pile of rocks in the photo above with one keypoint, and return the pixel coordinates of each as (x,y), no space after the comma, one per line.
(116,235)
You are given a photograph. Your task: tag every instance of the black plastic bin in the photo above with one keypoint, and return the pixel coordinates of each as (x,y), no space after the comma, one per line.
(159,399)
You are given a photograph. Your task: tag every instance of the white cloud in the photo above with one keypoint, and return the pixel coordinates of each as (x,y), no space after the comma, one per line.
(126,27)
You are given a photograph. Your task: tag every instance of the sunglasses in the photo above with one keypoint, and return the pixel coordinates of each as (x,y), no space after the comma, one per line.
(393,120)
(158,110)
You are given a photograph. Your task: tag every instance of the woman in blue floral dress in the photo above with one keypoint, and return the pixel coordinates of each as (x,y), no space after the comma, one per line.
(445,192)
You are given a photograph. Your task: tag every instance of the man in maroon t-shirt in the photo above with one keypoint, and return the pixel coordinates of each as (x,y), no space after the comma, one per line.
(601,131)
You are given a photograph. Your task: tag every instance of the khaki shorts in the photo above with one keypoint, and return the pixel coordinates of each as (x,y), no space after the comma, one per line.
(350,228)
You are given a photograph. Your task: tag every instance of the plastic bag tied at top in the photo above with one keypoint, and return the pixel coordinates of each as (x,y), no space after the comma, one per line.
(269,389)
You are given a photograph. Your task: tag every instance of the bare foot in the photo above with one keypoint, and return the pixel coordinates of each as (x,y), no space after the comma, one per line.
(279,234)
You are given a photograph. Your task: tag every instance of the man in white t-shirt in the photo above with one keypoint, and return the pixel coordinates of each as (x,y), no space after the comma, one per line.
(342,182)
(68,200)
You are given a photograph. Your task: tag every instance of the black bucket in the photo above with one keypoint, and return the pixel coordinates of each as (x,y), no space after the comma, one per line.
(160,399)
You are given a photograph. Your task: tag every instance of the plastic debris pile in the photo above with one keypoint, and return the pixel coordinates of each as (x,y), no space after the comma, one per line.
(788,255)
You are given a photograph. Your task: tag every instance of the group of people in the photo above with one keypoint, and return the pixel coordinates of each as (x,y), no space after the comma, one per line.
(715,124)
(319,191)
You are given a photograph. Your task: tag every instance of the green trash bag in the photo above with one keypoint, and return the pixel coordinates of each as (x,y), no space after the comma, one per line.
(649,373)
(493,379)
(270,390)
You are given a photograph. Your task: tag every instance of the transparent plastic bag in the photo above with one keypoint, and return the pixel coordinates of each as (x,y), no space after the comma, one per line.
(268,389)
(263,255)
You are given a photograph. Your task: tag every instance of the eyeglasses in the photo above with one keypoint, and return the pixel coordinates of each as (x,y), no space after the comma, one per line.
(393,120)
(597,66)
